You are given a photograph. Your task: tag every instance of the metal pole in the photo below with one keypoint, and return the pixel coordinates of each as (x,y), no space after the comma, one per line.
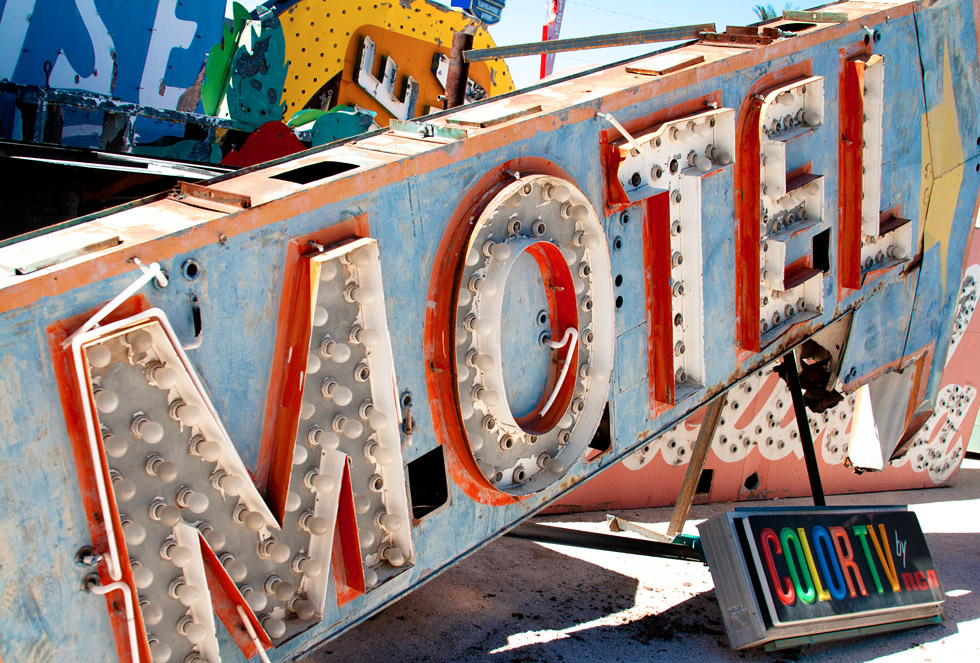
(619,544)
(678,33)
(459,69)
(789,372)
(700,452)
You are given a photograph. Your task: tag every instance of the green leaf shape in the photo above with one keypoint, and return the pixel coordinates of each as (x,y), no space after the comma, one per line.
(339,123)
(218,67)
(304,116)
(258,72)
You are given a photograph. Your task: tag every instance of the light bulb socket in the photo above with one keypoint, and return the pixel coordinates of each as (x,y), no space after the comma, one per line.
(154,509)
(193,444)
(299,561)
(137,424)
(239,513)
(269,587)
(175,586)
(153,462)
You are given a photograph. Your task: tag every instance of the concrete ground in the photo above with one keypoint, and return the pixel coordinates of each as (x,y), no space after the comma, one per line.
(516,601)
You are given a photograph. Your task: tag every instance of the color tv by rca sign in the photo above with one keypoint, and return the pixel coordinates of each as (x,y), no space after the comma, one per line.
(809,571)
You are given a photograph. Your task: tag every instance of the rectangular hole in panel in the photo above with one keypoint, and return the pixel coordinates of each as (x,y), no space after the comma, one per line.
(427,485)
(704,483)
(796,27)
(821,251)
(315,171)
(602,441)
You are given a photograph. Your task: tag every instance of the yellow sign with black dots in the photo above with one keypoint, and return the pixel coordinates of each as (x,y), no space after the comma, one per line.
(387,57)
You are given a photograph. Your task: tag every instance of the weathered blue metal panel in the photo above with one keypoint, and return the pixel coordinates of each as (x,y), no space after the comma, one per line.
(411,204)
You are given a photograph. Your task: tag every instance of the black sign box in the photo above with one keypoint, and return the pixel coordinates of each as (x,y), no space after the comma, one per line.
(782,573)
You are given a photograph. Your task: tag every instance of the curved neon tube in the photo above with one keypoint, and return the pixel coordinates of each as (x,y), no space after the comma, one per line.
(111,558)
(621,129)
(570,338)
(251,634)
(149,273)
(112,562)
(102,590)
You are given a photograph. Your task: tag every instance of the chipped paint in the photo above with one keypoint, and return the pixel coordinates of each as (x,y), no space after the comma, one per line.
(417,194)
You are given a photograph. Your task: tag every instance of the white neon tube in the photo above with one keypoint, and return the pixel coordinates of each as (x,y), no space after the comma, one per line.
(102,590)
(571,338)
(621,129)
(251,634)
(149,273)
(111,558)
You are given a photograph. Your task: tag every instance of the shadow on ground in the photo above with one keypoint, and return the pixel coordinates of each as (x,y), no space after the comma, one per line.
(516,601)
(469,613)
(508,587)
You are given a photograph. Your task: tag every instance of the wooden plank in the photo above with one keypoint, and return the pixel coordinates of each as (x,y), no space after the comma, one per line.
(815,17)
(664,64)
(490,115)
(690,485)
(53,249)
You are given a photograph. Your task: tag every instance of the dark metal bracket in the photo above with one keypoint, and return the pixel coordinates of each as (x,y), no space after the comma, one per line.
(789,372)
(690,552)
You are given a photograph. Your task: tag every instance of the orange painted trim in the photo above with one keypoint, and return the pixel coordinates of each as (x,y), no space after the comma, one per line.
(71,403)
(874,274)
(798,267)
(556,277)
(225,599)
(659,300)
(896,365)
(440,324)
(748,212)
(921,367)
(288,372)
(614,195)
(850,176)
(891,212)
(348,567)
(805,169)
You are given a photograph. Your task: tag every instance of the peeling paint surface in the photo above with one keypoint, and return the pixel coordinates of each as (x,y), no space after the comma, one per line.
(417,198)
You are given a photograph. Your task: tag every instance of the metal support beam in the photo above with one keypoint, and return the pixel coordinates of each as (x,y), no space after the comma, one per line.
(617,524)
(459,69)
(610,542)
(698,456)
(678,33)
(790,373)
(816,17)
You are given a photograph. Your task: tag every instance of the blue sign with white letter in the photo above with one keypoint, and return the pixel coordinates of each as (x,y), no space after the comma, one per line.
(487,11)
